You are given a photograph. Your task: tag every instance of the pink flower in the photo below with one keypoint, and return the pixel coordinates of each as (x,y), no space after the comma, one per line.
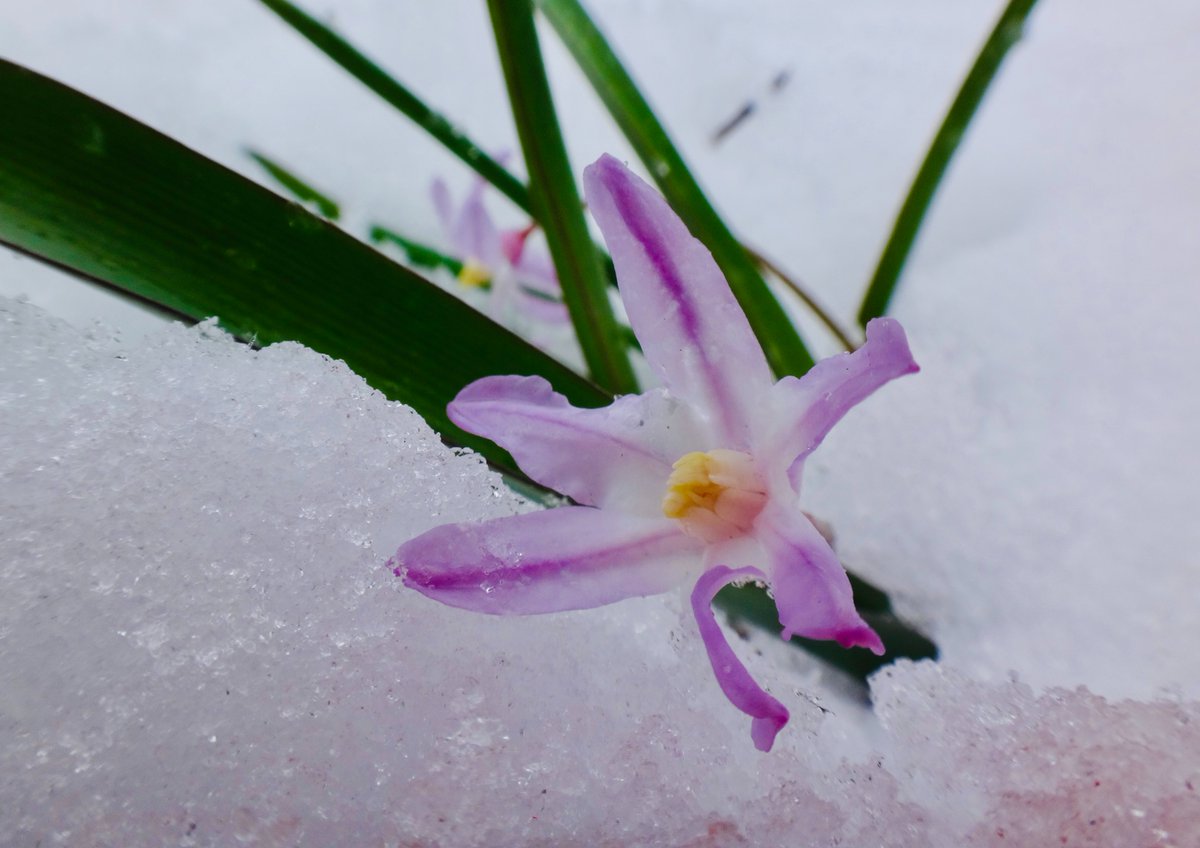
(519,276)
(697,481)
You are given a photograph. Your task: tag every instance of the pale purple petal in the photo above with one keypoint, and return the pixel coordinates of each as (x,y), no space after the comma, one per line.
(502,294)
(540,309)
(443,205)
(693,332)
(767,714)
(574,557)
(807,408)
(536,279)
(810,586)
(618,457)
(474,233)
(535,270)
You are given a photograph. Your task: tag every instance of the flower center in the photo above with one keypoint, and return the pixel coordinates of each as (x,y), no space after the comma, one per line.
(474,273)
(714,495)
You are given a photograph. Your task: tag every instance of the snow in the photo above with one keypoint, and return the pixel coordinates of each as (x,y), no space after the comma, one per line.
(199,643)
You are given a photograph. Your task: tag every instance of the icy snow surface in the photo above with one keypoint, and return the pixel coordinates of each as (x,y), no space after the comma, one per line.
(199,644)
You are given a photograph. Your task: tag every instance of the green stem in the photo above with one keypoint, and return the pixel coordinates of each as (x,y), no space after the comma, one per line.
(912,213)
(821,313)
(780,340)
(556,199)
(386,86)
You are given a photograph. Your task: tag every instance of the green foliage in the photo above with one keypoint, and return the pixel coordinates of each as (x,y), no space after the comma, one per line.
(386,86)
(556,200)
(780,340)
(92,190)
(929,176)
(297,187)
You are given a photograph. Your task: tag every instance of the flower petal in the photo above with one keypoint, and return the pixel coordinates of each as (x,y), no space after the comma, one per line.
(618,457)
(535,270)
(810,586)
(470,230)
(812,404)
(769,716)
(693,332)
(443,205)
(540,309)
(538,282)
(573,557)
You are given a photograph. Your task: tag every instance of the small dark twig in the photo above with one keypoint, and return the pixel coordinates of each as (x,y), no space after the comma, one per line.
(733,123)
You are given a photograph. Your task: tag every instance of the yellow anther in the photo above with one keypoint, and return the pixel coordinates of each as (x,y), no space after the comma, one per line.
(474,274)
(690,485)
(715,495)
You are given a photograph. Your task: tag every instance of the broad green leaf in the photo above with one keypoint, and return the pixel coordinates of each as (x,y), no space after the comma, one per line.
(780,340)
(92,190)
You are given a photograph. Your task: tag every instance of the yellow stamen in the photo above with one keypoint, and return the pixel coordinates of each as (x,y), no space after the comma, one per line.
(474,274)
(690,485)
(715,495)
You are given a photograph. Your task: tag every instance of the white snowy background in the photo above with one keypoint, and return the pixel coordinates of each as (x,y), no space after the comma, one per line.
(199,643)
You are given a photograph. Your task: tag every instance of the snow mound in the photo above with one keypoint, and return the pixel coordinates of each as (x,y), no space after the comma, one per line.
(200,645)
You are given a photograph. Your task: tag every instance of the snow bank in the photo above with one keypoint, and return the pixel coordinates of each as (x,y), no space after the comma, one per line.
(200,645)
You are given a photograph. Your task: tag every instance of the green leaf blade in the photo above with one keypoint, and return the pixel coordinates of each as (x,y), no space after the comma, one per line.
(781,341)
(911,216)
(90,189)
(556,200)
(402,98)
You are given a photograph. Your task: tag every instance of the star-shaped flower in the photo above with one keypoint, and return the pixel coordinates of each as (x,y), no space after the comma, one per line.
(697,481)
(520,277)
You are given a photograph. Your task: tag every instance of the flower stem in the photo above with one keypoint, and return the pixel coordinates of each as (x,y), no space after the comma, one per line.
(781,341)
(555,197)
(822,314)
(912,213)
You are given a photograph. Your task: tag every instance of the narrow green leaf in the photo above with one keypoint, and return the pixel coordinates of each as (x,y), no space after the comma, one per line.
(925,184)
(297,187)
(556,199)
(395,93)
(418,254)
(391,90)
(90,189)
(780,340)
